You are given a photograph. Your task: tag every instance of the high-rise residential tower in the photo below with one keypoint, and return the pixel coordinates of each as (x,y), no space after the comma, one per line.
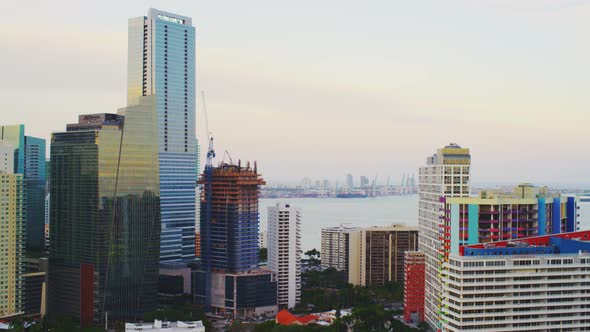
(284,252)
(334,249)
(12,223)
(29,160)
(161,63)
(105,216)
(376,254)
(446,174)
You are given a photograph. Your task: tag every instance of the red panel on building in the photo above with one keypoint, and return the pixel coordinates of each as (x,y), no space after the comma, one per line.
(414,283)
(86,294)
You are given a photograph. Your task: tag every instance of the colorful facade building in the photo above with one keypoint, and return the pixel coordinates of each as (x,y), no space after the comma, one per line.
(445,175)
(376,254)
(537,283)
(494,216)
(414,266)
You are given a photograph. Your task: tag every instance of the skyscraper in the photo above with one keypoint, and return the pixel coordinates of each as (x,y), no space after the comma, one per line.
(12,244)
(284,252)
(105,216)
(161,63)
(29,160)
(446,174)
(231,282)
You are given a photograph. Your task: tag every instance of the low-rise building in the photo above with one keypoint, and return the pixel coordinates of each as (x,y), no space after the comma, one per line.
(164,326)
(284,317)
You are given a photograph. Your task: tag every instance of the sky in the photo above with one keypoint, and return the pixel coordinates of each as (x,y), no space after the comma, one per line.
(326,88)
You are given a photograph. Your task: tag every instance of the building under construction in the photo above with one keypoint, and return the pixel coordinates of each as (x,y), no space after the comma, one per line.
(231,284)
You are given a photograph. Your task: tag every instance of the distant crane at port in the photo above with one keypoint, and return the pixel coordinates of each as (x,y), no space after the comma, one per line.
(373,191)
(403,186)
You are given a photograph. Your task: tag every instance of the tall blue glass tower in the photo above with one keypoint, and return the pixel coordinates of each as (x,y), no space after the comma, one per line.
(161,63)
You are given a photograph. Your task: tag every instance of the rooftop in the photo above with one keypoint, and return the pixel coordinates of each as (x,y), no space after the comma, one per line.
(565,243)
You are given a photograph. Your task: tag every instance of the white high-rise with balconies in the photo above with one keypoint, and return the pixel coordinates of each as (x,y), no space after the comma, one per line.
(284,252)
(446,174)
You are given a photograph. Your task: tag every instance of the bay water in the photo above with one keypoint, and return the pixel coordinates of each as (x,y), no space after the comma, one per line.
(361,212)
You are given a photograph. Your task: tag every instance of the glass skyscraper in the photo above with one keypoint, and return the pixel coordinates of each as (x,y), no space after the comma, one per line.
(161,63)
(105,216)
(29,160)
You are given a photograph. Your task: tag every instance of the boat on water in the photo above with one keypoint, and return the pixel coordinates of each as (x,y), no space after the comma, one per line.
(352,194)
(584,197)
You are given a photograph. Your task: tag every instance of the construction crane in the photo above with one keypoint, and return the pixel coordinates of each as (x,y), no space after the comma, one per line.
(207,187)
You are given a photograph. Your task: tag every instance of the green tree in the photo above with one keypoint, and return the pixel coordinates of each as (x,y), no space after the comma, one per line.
(262,255)
(423,326)
(313,254)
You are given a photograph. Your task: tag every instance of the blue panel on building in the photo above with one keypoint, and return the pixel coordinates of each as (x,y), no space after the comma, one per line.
(542,217)
(508,251)
(455,229)
(571,225)
(473,225)
(556,216)
(568,246)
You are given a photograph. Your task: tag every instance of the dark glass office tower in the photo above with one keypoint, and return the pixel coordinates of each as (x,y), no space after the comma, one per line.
(105,216)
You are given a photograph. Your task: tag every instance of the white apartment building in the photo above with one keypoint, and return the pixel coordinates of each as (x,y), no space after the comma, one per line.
(537,292)
(335,243)
(164,326)
(446,174)
(284,252)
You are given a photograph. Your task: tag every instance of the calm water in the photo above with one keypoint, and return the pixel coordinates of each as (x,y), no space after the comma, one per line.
(362,212)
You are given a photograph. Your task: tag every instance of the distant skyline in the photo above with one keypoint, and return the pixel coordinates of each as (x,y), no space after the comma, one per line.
(322,89)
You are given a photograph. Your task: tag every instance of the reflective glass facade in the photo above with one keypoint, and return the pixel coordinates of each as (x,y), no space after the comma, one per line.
(162,63)
(105,216)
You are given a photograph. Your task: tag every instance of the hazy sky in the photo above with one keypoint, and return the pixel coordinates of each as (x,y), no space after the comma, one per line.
(325,88)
